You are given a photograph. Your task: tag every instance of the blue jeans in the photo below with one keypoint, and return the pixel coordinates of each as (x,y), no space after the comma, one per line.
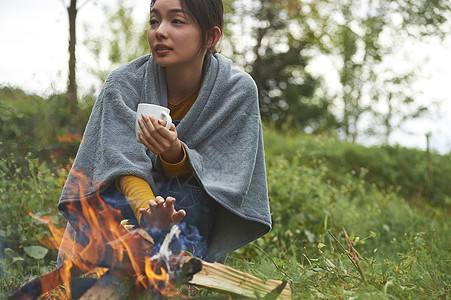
(190,196)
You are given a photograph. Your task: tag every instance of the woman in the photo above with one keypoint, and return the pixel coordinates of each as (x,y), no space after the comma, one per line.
(209,170)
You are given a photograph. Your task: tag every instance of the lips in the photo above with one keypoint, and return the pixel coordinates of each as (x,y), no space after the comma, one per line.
(162,48)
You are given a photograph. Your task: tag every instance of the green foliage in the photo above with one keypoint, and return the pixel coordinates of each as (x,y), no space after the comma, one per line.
(392,202)
(36,189)
(18,113)
(38,136)
(280,38)
(403,249)
(360,36)
(275,41)
(276,51)
(48,128)
(121,40)
(408,171)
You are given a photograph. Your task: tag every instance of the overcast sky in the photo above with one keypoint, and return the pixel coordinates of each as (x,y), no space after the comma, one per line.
(33,56)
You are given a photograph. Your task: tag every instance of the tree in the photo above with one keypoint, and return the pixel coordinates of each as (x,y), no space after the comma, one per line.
(276,59)
(362,34)
(275,41)
(72,11)
(279,38)
(397,95)
(122,40)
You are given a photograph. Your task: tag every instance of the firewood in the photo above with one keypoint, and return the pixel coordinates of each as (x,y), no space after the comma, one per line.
(44,284)
(109,287)
(226,279)
(181,269)
(120,282)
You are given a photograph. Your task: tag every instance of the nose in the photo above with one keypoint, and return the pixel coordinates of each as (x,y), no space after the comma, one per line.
(162,30)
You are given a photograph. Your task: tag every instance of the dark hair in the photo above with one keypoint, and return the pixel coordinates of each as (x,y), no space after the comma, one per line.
(208,14)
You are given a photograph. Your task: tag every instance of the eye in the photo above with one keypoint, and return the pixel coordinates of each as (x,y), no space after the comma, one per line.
(153,21)
(177,21)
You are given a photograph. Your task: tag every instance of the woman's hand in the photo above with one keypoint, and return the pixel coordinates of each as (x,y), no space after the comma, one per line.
(161,213)
(160,140)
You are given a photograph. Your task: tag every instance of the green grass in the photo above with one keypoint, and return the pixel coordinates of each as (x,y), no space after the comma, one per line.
(403,243)
(319,188)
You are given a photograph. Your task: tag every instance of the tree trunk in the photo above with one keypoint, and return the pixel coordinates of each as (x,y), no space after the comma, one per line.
(71,93)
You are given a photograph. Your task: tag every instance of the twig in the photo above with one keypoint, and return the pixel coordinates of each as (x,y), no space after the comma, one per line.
(354,259)
(307,259)
(354,255)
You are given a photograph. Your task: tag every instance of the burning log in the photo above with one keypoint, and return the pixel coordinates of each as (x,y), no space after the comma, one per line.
(211,275)
(118,282)
(118,286)
(46,283)
(109,287)
(157,273)
(174,271)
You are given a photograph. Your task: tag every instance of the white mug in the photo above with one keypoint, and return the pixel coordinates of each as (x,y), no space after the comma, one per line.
(157,111)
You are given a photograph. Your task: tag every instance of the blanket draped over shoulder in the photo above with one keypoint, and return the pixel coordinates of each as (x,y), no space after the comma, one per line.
(221,133)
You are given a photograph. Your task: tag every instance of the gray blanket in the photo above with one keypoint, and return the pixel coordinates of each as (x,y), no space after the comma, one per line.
(221,134)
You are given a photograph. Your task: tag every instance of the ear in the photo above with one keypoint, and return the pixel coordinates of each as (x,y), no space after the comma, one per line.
(213,37)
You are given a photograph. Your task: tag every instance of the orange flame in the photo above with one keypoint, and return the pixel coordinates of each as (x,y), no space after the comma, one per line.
(152,276)
(107,239)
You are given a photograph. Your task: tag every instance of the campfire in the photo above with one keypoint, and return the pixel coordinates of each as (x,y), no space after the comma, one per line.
(119,261)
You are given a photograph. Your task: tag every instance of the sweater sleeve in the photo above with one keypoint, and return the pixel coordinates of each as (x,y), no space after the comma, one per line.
(137,191)
(180,169)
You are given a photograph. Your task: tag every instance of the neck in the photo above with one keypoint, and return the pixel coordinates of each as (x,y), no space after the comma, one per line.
(181,82)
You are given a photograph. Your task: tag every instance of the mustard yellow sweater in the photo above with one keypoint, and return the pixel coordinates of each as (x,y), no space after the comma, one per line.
(136,190)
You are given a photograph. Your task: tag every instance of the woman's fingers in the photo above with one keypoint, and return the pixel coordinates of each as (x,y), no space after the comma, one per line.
(178,216)
(161,213)
(146,137)
(148,145)
(163,206)
(146,125)
(155,128)
(169,203)
(155,136)
(148,134)
(159,200)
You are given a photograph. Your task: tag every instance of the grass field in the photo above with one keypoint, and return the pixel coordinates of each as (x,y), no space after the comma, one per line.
(348,221)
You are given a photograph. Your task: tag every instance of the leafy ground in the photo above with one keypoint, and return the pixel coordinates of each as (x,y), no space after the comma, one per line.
(349,221)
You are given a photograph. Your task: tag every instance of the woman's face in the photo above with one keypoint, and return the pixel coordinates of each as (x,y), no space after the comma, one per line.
(174,36)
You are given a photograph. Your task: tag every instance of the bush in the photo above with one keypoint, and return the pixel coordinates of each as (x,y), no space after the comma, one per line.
(388,167)
(50,129)
(21,254)
(403,247)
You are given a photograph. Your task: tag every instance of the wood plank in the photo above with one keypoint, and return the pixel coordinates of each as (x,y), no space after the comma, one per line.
(224,278)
